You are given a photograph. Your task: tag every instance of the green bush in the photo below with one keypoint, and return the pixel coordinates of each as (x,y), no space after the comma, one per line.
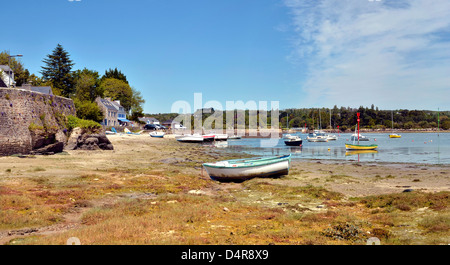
(73,122)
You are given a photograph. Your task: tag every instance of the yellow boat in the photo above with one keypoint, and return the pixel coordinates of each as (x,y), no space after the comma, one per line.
(360,147)
(393,135)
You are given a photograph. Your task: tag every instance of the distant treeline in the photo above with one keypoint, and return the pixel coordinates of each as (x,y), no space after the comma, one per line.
(370,118)
(344,117)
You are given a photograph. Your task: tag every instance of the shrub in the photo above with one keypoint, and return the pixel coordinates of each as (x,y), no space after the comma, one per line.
(73,122)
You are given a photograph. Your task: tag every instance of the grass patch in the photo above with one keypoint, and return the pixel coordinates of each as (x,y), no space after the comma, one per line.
(436,224)
(310,191)
(409,200)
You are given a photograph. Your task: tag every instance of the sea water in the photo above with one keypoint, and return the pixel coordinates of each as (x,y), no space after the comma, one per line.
(427,148)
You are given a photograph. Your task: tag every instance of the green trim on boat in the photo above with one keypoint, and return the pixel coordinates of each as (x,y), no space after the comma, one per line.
(251,162)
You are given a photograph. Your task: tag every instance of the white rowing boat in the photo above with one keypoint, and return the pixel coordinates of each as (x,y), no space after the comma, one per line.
(239,170)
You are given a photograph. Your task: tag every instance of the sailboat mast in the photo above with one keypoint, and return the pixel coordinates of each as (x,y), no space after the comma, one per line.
(320,121)
(331,127)
(438,121)
(358,125)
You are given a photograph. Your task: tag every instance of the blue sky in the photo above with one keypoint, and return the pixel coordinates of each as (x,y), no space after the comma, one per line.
(394,54)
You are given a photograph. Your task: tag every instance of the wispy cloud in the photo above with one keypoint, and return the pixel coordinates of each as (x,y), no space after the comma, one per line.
(394,54)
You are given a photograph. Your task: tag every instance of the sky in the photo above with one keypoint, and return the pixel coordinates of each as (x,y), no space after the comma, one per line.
(301,53)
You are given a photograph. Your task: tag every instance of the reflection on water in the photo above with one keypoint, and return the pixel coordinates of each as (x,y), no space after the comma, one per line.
(410,148)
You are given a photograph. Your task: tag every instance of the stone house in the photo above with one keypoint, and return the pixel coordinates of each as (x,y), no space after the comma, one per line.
(110,112)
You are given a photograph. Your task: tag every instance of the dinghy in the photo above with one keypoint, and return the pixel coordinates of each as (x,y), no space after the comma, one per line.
(190,138)
(239,170)
(157,134)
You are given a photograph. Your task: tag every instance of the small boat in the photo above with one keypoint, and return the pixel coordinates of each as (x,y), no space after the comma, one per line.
(208,137)
(292,140)
(233,137)
(332,137)
(360,147)
(314,137)
(354,137)
(157,134)
(113,131)
(394,135)
(357,146)
(189,138)
(221,137)
(239,170)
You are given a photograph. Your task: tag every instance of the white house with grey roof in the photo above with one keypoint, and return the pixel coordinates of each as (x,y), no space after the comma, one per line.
(121,113)
(6,76)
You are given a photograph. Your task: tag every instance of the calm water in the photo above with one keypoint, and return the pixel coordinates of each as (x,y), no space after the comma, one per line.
(428,148)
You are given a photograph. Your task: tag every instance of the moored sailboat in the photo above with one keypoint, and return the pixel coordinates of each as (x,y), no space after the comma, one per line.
(393,135)
(358,146)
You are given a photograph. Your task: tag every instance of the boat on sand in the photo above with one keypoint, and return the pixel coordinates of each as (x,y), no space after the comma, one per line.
(189,138)
(157,134)
(239,170)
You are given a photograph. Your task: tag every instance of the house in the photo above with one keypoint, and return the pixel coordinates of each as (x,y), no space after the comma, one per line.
(121,114)
(6,76)
(40,89)
(171,124)
(110,112)
(149,120)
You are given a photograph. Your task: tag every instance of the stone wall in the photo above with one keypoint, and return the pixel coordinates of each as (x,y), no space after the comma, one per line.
(30,120)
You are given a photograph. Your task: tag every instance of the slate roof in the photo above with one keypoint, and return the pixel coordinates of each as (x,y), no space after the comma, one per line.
(42,89)
(108,104)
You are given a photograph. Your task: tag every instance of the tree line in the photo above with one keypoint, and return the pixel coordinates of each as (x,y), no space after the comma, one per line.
(344,117)
(83,86)
(370,118)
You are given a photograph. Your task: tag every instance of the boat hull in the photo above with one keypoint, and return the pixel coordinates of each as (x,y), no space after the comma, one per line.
(360,147)
(293,142)
(208,137)
(157,134)
(221,137)
(239,172)
(317,140)
(189,139)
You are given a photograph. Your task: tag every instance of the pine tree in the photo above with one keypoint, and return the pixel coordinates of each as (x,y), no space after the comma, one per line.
(57,71)
(117,74)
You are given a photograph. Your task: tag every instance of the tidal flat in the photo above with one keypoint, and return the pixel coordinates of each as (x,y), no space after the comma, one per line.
(154,192)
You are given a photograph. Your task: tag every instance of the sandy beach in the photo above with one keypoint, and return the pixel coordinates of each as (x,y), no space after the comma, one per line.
(154,191)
